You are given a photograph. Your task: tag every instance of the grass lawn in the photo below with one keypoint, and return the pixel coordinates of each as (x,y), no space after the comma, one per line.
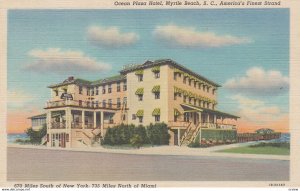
(267,150)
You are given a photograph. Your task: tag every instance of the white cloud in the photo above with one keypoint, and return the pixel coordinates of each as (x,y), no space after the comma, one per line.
(190,37)
(56,60)
(110,37)
(258,81)
(256,111)
(18,99)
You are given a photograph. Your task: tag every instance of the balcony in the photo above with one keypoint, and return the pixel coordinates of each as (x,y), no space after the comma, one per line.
(78,125)
(184,124)
(82,104)
(58,125)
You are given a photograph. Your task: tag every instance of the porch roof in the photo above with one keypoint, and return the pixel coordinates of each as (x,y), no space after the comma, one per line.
(188,107)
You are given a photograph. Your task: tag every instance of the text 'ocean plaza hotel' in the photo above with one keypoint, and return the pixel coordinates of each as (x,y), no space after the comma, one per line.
(80,111)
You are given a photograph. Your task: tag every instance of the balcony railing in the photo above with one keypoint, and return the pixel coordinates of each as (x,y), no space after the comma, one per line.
(84,104)
(58,125)
(203,125)
(78,125)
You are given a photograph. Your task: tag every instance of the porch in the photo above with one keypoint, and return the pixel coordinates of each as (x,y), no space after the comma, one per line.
(188,124)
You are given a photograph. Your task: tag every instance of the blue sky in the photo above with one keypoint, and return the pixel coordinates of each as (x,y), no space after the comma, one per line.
(252,40)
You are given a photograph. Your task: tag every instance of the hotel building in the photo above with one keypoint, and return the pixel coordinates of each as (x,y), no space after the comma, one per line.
(80,111)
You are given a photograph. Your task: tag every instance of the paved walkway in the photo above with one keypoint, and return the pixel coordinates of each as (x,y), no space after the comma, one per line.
(168,150)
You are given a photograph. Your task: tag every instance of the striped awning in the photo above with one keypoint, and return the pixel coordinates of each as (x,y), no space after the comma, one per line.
(140,113)
(139,72)
(155,69)
(139,91)
(176,112)
(156,111)
(176,70)
(156,89)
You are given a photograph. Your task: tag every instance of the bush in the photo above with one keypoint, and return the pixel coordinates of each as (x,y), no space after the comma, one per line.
(136,141)
(158,134)
(35,137)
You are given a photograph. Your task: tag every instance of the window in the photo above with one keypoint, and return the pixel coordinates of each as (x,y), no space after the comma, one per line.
(141,119)
(175,96)
(88,91)
(190,82)
(184,80)
(118,87)
(93,92)
(56,92)
(97,104)
(199,86)
(157,75)
(175,117)
(175,75)
(157,95)
(207,89)
(104,103)
(125,100)
(140,77)
(103,90)
(65,90)
(109,103)
(133,116)
(195,101)
(157,118)
(97,90)
(125,86)
(179,75)
(207,106)
(140,97)
(67,137)
(195,84)
(80,89)
(80,102)
(109,88)
(199,103)
(203,87)
(190,100)
(184,99)
(214,91)
(118,102)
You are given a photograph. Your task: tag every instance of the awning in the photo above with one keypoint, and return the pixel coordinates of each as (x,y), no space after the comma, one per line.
(176,70)
(156,89)
(139,91)
(140,113)
(139,72)
(176,112)
(155,69)
(156,111)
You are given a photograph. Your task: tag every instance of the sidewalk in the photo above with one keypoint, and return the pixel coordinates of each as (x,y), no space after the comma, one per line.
(167,150)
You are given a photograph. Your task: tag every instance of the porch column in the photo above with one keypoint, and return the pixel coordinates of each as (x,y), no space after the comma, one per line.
(48,119)
(95,119)
(102,123)
(68,118)
(82,119)
(200,117)
(215,118)
(208,118)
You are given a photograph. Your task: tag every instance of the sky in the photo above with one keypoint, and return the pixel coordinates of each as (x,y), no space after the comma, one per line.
(244,50)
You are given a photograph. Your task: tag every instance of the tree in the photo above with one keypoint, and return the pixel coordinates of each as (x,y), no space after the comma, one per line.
(35,137)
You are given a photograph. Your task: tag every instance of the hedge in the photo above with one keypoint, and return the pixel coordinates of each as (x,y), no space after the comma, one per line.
(218,134)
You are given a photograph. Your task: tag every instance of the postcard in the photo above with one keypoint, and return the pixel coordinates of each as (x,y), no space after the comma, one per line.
(149,94)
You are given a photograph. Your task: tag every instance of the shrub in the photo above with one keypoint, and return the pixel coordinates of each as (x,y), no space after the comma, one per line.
(35,137)
(158,134)
(136,141)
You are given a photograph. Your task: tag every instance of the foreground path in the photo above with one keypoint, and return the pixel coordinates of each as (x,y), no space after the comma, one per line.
(39,164)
